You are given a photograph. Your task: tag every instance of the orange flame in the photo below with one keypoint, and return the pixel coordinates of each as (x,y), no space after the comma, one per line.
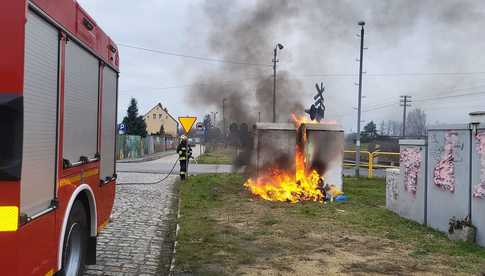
(298,120)
(279,185)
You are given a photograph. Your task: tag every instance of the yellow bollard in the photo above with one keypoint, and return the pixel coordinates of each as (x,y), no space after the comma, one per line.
(370,170)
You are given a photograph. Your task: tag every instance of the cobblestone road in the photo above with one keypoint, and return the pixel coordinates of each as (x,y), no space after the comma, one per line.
(132,243)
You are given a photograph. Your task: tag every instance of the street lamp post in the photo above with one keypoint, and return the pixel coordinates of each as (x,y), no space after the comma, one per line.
(275,51)
(357,142)
(224,117)
(214,114)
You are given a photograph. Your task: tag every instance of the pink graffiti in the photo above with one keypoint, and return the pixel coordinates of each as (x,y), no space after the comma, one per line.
(444,172)
(479,189)
(411,160)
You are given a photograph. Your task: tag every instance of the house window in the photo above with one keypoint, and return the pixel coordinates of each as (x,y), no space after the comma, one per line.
(154,116)
(160,116)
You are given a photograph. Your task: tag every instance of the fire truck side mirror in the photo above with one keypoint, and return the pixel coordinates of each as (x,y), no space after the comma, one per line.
(66,163)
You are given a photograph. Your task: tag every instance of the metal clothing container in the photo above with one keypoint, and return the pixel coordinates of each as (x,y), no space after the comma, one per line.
(274,145)
(410,192)
(324,151)
(448,174)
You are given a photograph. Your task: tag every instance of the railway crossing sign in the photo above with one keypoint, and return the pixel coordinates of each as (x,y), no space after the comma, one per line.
(317,110)
(187,122)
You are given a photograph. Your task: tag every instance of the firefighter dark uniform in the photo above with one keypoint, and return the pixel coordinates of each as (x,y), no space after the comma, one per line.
(185,152)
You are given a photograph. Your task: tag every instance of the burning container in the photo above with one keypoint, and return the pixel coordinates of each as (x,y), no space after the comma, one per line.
(274,145)
(448,174)
(410,191)
(323,146)
(324,150)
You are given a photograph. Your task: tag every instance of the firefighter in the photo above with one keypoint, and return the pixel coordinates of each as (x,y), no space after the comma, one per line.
(185,153)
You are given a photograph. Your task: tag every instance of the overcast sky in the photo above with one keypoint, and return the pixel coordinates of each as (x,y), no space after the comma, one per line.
(431,51)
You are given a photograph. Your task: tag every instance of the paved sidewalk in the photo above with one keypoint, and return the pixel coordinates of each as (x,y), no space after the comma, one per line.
(132,243)
(165,165)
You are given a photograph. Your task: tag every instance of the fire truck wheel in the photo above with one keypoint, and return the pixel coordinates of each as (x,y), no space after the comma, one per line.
(75,241)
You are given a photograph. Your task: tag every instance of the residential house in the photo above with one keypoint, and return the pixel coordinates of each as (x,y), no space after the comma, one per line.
(159,121)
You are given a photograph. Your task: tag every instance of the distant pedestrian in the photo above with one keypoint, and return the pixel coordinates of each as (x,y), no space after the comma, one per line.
(185,153)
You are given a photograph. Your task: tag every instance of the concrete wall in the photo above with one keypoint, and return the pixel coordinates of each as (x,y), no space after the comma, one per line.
(393,181)
(448,175)
(411,191)
(478,183)
(455,179)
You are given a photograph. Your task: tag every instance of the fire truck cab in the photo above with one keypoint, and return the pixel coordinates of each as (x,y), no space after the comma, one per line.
(58,104)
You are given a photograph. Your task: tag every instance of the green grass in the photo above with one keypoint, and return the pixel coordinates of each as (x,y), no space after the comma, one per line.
(218,155)
(224,229)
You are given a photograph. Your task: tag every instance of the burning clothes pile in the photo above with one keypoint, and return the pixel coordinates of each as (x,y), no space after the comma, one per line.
(300,185)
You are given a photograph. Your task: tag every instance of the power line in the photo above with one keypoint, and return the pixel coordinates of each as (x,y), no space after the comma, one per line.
(411,74)
(223,83)
(192,57)
(450,96)
(162,52)
(392,103)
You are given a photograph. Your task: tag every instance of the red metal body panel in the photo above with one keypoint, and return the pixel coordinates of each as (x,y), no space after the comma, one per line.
(9,255)
(70,15)
(37,246)
(33,248)
(12,21)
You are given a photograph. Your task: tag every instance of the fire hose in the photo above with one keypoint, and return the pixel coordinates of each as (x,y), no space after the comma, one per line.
(151,183)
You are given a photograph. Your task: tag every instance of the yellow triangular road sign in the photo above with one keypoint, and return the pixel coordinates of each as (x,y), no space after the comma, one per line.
(187,122)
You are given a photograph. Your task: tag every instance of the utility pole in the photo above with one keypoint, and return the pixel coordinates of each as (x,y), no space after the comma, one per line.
(275,51)
(259,117)
(405,102)
(224,117)
(361,60)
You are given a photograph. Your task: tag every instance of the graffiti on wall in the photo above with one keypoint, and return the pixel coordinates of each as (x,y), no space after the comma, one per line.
(392,193)
(411,159)
(479,189)
(444,171)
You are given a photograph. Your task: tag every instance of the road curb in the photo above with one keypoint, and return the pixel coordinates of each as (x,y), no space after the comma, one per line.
(177,230)
(148,158)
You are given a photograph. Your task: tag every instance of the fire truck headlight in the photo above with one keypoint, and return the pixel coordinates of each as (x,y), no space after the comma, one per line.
(9,218)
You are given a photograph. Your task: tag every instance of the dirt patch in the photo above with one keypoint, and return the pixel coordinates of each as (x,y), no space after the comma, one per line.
(225,231)
(288,245)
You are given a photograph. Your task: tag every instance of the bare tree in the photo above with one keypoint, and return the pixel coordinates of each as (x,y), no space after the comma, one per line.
(416,123)
(382,128)
(394,128)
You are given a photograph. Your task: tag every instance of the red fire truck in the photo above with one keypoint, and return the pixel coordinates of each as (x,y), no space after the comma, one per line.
(58,101)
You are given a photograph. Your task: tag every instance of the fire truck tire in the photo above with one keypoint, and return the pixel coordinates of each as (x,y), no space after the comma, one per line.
(75,241)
